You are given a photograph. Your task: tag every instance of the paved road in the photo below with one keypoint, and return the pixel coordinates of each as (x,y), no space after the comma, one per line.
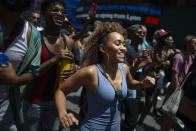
(151,123)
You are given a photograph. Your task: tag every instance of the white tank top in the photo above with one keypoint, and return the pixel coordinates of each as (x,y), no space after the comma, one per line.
(15,52)
(18,48)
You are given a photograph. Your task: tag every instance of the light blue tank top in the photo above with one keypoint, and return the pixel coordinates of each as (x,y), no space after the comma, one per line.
(103,104)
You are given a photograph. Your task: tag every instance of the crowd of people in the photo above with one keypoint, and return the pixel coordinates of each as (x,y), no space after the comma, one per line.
(115,67)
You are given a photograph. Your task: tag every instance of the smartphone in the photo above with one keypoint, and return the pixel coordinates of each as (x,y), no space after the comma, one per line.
(93,8)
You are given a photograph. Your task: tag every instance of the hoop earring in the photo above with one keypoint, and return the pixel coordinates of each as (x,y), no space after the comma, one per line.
(107,58)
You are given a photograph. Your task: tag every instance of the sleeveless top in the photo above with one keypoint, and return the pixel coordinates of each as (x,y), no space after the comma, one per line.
(18,48)
(103,104)
(43,87)
(16,52)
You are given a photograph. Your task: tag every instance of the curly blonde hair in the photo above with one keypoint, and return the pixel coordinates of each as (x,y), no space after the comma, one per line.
(92,52)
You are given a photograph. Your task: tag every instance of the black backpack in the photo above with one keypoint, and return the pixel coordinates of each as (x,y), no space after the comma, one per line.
(190,85)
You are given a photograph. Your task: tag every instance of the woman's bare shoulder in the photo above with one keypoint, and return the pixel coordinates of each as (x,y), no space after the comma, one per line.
(88,71)
(88,77)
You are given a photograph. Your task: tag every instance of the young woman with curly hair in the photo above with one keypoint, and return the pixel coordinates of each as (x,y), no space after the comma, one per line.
(105,79)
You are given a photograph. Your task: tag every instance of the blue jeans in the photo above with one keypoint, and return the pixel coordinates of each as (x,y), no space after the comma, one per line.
(6,117)
(41,116)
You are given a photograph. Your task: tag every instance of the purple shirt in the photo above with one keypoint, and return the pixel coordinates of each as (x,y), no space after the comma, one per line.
(178,62)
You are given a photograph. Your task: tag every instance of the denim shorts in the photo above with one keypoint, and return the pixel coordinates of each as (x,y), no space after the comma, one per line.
(6,117)
(41,116)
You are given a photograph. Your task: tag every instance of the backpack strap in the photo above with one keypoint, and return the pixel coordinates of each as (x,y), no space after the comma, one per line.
(184,59)
(186,78)
(182,67)
(118,93)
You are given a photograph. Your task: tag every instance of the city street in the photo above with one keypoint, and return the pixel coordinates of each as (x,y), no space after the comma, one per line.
(126,55)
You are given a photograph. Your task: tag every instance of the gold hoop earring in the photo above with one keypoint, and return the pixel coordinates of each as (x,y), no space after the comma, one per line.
(107,58)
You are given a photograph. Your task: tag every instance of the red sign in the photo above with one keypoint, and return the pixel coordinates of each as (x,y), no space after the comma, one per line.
(151,20)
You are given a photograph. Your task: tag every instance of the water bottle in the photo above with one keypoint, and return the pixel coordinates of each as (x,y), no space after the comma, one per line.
(61,66)
(3,60)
